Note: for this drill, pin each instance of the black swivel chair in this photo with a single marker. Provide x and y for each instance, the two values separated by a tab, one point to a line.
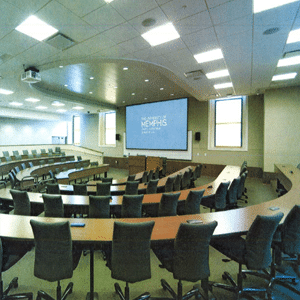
192	203
186	180
131	177
80	189
188	259
55	256
152	186
132	206
103	189
130	260
53	206
169	185
232	193
10	253
241	189
53	188
254	251
144	177
21	203
177	183
168	204
217	201
131	188
99	207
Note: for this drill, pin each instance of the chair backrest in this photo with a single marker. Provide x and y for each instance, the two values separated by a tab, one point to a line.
193	201
43	151
17	169
34	152
186	180
150	175
103	188
130	260
191	251
152	186
290	232
198	170
23	166
144	177
12	180
79	158
168	204
131	188
177	183
241	186
51	161
156	173
53	188
220	196
131	177
53	206
42	162
107	179
243	167
8	158
258	241
16	153
132	206
5	153
25	152
53	247
57	149
21	203
18	157
99	207
80	189
30	164
232	193
169	185
50	150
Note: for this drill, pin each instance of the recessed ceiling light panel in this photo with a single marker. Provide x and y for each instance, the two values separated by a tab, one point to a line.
294	36
223	85
290	61
161	34
217	74
32	100
209	56
36	28
284	76
262	5
5	92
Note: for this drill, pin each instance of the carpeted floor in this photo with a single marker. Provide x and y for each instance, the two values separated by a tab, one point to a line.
104	285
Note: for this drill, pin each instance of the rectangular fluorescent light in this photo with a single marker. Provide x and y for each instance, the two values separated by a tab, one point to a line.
262	5
217	74
284	76
108	1
209	56
290	61
16	103
41	107
5	92
36	28
161	34
294	36
223	85
32	100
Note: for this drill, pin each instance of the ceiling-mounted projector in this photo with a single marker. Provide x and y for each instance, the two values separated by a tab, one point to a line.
31	75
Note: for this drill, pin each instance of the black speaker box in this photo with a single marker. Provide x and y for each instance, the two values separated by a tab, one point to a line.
118	136
197	136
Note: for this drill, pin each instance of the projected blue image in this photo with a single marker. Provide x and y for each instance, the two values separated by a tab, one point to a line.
158	126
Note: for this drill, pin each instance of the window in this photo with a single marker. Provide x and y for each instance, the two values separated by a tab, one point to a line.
76	130
228	124
107	128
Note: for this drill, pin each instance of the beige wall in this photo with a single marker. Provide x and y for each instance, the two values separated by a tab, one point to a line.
282	123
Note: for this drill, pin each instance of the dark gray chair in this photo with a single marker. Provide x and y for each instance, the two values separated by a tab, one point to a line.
8	159
131	177
103	189
232	193
23	166
169	185
53	188
5	153
152	186
131	188
241	189
132	206
150	175
11	251
254	251
287	241
130	261
25	152
156	173
99	207
80	189
53	206
192	203
144	177
168	205
43	151
186	180
79	158
177	183
217	201
21	201
55	256
107	179
188	259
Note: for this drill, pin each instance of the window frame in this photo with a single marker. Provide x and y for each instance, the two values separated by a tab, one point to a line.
103	131
74	130
212	125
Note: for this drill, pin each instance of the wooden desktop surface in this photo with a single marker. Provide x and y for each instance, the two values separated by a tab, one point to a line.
229	222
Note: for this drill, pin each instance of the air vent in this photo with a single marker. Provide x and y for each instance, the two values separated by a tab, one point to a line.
196	75
60	41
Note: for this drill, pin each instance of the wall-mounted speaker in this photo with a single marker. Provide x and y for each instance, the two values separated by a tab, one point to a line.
197	136
118	137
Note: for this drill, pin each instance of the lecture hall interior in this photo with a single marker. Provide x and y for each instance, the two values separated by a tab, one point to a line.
189	82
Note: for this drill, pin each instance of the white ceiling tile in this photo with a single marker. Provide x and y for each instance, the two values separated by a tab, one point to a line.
193	23
115	51
230	11
135	44
104	18
98	42
179	54
130	9
174	45
28	6
146	54
180	9
200	39
213	3
82	8
162	2
122	33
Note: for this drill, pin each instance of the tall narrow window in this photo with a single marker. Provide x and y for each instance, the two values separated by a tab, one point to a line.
228	129
107	129
76	132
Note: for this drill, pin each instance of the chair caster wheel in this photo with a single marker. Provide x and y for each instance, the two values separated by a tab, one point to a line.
14	283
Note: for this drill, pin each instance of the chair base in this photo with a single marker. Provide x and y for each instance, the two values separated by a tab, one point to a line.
59	296
126	296
13	284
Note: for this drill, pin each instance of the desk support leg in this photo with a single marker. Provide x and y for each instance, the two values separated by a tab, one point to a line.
91	295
